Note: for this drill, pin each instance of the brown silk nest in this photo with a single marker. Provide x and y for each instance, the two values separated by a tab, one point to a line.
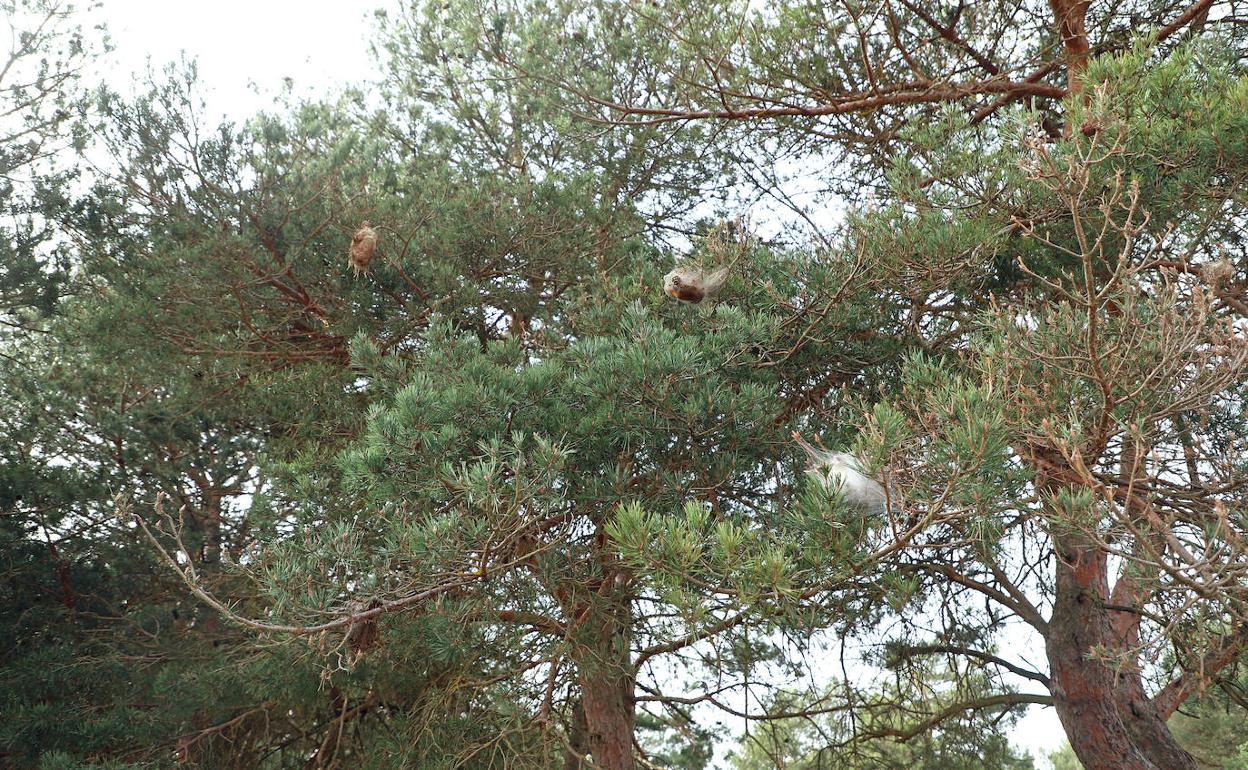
363	244
363	635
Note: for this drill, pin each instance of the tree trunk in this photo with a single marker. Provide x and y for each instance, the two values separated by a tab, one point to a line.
578	741
1147	727
1111	724
1069	16
1084	688
609	721
1139	713
604	667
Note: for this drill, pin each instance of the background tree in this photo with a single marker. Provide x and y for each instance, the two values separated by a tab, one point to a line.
1064	759
831	739
1210	725
42	117
189	364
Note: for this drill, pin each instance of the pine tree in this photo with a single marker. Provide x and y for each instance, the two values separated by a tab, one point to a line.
499	500
1072	240
1073	277
43	115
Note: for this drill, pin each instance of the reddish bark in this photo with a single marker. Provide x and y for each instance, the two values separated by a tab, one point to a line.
1147	725
1095	676
1144	721
1100	698
609	719
604	668
1070	17
1084	688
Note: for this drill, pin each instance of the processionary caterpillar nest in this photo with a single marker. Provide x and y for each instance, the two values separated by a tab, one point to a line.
362	635
694	280
363	244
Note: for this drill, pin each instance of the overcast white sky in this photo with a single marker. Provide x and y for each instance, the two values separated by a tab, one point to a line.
246	49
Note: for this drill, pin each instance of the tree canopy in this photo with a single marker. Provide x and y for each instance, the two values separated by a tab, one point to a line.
498	500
